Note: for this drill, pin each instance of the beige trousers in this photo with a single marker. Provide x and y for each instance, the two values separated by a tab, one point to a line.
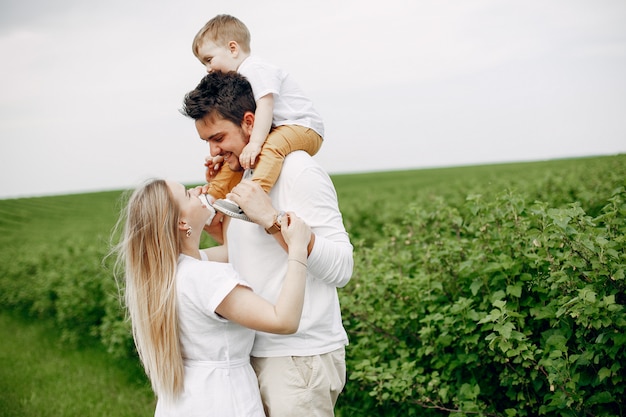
297	386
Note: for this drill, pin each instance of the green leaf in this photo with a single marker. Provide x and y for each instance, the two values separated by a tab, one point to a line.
514	290
603	373
475	286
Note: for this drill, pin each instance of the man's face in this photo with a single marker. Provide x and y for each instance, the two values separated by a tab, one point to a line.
224	138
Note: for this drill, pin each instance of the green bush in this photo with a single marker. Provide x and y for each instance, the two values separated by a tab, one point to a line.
495	307
53	266
66	284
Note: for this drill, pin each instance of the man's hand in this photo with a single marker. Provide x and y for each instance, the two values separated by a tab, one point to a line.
254	202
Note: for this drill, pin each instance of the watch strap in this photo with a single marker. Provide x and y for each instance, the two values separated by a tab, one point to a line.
275	228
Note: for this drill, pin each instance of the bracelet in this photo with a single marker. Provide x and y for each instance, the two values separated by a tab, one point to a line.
300	262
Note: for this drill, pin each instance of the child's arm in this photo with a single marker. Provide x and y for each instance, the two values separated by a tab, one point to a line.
262	124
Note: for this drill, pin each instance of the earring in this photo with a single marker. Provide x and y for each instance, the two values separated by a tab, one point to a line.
188	234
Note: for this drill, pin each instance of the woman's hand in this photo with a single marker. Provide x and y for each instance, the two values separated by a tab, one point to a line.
295	232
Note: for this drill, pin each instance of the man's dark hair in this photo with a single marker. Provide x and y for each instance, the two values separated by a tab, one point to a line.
227	94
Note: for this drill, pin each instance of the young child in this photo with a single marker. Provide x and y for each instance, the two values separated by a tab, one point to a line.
285	120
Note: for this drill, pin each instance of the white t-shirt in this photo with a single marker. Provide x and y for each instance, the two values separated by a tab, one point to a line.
291	105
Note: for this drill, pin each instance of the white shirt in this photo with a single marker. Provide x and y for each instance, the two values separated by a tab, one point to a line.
219	380
291	105
304	188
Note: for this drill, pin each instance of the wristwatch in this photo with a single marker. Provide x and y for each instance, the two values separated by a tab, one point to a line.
275	228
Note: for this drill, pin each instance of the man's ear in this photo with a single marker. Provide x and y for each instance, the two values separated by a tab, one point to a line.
248	122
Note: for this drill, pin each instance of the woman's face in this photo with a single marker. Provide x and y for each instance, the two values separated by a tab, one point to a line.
192	211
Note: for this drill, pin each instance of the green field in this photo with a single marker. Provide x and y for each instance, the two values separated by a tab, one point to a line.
479	290
40	377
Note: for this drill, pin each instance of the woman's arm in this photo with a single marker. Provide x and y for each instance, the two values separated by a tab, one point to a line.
330	253
245	307
218	253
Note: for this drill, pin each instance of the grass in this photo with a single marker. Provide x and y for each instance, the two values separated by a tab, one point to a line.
39	377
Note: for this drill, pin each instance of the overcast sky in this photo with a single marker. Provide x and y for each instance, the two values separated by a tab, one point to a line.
90	90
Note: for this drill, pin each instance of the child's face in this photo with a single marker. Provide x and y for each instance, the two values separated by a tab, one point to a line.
217	58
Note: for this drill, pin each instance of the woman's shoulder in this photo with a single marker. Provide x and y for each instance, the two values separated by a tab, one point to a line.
197	277
189	264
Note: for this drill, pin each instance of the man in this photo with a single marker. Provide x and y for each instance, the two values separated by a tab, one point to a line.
300	374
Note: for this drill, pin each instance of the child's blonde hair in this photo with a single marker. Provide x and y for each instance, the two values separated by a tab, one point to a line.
222	29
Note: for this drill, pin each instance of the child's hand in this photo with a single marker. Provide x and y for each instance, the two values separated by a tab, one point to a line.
204	189
249	154
213	165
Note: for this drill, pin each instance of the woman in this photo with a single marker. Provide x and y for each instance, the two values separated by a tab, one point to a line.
194	319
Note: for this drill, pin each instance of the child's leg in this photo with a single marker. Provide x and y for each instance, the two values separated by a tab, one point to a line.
279	143
224	181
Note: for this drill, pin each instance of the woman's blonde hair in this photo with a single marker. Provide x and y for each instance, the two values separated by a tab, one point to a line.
222	29
147	254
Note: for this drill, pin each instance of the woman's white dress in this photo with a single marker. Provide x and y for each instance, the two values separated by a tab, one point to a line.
219	380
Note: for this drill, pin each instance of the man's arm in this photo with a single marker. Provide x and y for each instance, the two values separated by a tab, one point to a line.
313	194
313	198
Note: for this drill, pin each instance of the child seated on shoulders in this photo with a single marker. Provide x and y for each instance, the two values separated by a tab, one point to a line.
284	121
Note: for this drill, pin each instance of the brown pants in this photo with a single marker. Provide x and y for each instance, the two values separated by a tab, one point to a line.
280	142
